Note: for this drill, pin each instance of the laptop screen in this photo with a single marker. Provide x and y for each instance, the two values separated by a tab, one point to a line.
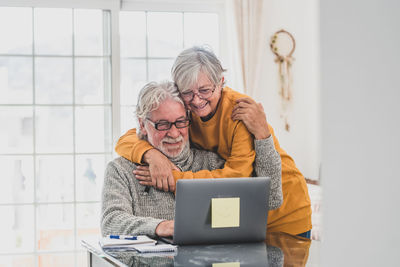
222	210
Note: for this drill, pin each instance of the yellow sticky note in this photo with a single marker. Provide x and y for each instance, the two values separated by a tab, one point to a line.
226	264
225	212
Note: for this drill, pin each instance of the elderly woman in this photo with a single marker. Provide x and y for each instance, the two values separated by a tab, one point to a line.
226	122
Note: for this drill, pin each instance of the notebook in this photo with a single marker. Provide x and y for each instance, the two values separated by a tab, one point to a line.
111	243
225	210
156	248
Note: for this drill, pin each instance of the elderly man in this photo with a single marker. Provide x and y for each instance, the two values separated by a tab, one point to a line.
128	206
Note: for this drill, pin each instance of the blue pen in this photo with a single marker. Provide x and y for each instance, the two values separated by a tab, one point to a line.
125	237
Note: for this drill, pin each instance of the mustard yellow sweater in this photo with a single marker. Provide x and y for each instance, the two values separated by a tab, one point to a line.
231	140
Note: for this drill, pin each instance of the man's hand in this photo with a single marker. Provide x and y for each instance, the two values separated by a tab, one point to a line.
253	116
158	173
165	228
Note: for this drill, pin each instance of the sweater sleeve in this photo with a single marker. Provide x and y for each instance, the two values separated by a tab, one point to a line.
117	215
131	147
238	164
268	164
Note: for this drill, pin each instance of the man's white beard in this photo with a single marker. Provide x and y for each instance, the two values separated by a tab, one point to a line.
175	152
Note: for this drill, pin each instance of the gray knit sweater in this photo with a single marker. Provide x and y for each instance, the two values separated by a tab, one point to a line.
128	209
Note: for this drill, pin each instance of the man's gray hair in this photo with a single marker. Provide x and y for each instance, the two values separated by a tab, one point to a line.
151	95
191	62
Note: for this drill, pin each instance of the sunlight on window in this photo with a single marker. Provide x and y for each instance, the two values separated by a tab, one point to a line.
55	100
18	38
16	76
132	30
56	103
167	34
53	31
165	37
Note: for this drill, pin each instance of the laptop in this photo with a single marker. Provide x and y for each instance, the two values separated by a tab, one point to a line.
201	210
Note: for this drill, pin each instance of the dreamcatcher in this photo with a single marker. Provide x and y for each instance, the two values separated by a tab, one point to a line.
282	45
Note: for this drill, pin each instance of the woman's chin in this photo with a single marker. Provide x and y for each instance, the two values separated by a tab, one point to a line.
202	113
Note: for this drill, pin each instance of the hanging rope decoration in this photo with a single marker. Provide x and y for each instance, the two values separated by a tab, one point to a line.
283	45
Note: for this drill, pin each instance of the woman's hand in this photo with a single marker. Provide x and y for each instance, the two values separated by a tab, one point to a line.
253	116
165	228
158	173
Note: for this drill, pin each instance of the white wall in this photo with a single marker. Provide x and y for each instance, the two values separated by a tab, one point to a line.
360	65
303	141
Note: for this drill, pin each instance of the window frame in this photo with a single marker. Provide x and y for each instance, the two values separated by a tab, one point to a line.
114	7
196	6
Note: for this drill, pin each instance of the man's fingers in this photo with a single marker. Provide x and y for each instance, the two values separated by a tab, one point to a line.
171	184
165	185
239	117
146	183
143	178
162	183
142	173
159	183
240	111
247	100
261	107
143	167
243	105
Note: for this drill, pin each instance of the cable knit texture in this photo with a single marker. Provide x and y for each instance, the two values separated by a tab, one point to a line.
128	208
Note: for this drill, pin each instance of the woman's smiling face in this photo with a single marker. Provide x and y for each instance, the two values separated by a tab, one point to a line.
204	107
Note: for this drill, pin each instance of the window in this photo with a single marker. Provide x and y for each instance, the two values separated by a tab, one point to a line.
55	102
150	41
67	91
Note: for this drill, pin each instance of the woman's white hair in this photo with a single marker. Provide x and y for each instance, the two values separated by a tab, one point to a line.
191	62
151	95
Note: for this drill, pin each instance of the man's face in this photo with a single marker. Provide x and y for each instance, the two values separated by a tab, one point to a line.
170	142
204	107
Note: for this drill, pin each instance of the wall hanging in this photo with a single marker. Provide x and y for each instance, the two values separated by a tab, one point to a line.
283	45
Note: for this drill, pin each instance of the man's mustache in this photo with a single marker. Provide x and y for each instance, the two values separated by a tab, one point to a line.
172	140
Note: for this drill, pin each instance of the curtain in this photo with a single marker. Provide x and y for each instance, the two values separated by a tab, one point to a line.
245	23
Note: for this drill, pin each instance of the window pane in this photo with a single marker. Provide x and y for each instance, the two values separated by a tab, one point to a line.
133	78
17	260
16	183
16	227
92	80
160	69
16	133
88	217
54	129
132	30
201	29
90	176
165	34
16	39
53	31
53	79
55	178
128	119
15	80
81	257
88	32
93	129
55	227
59	260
